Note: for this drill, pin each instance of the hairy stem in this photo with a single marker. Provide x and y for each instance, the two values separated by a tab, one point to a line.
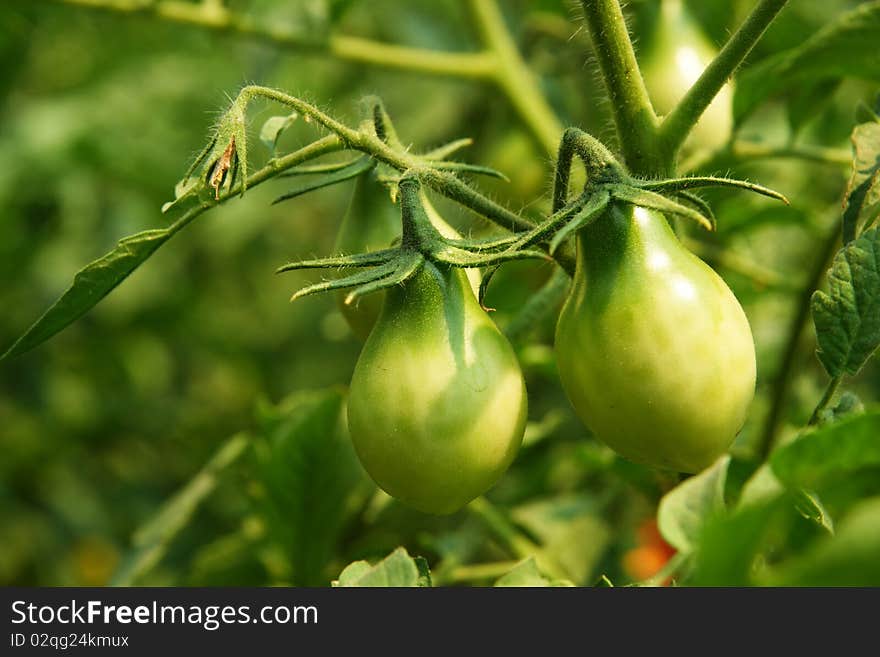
634	115
681	120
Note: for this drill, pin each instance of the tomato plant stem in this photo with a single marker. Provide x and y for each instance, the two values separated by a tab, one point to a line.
633	113
826	399
678	123
782	381
465	65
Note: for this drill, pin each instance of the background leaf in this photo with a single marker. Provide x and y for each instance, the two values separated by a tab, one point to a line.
312	477
848	559
823	457
151	541
685	509
863	194
847	317
273	127
526	573
571	531
845	47
398	569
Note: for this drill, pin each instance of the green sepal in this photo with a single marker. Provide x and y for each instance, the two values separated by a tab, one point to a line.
404	268
654	201
360	278
356	260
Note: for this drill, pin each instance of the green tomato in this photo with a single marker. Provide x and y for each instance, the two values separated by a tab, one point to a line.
653	349
372	223
437	406
675	58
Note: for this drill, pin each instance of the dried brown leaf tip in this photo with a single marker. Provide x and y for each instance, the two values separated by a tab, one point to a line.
221	168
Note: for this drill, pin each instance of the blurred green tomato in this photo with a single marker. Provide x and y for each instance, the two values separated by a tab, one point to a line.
675	58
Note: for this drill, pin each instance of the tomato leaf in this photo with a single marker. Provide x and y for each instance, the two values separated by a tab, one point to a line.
151	541
845	47
848	559
829	454
570	531
91	284
273	127
684	510
847	318
863	192
396	570
527	574
312	478
730	544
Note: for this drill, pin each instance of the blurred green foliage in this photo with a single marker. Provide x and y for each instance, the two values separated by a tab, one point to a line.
99	117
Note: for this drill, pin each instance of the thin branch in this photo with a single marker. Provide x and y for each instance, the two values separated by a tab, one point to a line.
758	274
679	122
782	380
827	396
747	150
475	65
513	75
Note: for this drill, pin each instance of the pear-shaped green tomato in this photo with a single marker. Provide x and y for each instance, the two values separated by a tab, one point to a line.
654	351
437	406
675	58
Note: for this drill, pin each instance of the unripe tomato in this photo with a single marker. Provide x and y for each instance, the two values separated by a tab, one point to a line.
370	224
437	406
675	58
654	351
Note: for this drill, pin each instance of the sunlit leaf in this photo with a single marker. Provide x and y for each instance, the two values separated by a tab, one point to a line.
273	127
398	569
527	574
863	193
847	317
685	509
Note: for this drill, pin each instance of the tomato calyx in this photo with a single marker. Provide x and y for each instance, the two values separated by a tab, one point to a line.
420	242
609	181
